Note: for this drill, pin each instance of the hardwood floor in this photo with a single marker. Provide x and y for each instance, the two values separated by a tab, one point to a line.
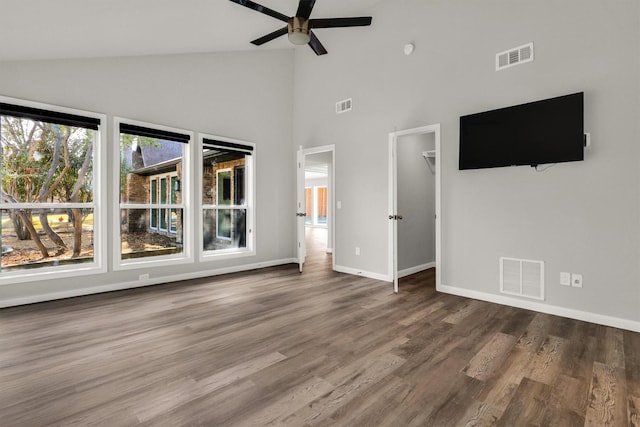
275	347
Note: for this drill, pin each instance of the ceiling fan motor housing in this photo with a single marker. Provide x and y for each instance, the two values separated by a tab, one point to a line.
298	29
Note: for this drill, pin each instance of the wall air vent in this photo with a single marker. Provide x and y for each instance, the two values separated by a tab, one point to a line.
522	277
515	56
343	106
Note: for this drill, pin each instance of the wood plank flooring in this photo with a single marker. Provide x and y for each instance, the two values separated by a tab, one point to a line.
275	347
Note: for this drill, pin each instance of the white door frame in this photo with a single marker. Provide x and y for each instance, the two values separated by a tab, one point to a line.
331	226
393	200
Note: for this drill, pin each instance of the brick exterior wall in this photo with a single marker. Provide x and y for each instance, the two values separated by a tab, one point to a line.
139	191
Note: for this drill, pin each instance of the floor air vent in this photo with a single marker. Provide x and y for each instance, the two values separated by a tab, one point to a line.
343	106
522	277
515	56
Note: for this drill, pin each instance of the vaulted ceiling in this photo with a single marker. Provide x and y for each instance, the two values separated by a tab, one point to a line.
55	29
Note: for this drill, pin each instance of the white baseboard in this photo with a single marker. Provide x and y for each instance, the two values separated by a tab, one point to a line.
31	299
570	313
417	269
356	272
329	250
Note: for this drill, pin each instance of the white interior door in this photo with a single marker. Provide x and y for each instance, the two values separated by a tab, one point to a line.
395	216
393	207
300	209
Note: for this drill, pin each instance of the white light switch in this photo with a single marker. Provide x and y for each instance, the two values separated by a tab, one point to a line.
565	279
339	204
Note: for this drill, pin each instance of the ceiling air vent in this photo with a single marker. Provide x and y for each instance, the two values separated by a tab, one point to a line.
515	56
343	106
522	277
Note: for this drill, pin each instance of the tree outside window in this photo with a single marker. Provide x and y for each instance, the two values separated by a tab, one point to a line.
47	196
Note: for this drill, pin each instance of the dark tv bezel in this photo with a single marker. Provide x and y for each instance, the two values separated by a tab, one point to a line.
540	159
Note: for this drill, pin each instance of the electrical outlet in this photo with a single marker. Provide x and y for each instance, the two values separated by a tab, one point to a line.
357	250
143	277
565	279
576	280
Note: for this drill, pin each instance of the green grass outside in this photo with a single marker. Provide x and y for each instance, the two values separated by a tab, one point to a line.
58	222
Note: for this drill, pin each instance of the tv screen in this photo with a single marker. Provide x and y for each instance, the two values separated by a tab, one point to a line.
547	131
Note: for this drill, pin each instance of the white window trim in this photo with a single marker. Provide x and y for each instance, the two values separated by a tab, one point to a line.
99	264
250	204
186	256
163	206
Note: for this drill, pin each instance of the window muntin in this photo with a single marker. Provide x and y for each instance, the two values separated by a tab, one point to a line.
152	201
49	222
227	197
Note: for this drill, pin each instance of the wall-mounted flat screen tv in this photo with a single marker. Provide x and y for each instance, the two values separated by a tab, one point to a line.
547	131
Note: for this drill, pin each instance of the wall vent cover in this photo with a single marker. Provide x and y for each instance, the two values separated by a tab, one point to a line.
517	55
343	106
522	277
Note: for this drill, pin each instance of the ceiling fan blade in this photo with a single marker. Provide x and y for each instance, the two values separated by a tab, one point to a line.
304	8
262	9
277	33
315	44
362	21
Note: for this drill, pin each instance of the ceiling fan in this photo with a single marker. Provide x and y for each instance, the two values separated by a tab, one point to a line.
299	26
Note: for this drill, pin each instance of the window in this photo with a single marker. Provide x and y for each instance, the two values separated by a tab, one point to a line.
152	215
321	206
316	205
227	197
160	186
49	178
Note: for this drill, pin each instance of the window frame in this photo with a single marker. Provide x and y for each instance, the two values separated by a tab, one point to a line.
220	203
184	257
157	179
250	202
99	203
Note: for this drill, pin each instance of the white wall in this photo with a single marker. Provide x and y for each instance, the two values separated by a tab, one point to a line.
246	96
416	198
581	217
316	182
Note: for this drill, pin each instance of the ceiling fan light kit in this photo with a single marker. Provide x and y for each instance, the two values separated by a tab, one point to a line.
299	27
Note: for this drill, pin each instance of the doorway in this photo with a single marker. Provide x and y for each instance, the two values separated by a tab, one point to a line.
315	204
414	208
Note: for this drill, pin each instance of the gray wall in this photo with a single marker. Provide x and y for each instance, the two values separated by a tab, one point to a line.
580	217
247	96
416	200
